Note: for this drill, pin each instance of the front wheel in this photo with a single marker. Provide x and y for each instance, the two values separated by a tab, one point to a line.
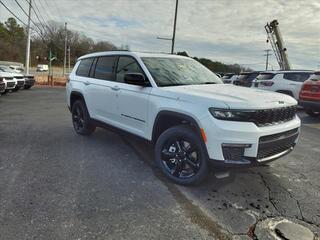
81	119
181	155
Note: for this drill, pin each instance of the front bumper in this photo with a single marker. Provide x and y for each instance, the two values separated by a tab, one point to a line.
29	82
310	105
256	145
2	87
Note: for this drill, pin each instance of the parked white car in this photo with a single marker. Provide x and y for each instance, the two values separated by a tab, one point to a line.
9	81
287	82
18	77
229	78
182	108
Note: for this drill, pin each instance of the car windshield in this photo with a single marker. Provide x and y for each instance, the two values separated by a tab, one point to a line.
179	71
6	69
243	76
227	76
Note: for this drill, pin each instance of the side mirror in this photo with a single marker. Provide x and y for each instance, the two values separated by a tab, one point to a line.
135	79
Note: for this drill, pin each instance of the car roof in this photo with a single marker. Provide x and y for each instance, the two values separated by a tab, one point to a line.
133	54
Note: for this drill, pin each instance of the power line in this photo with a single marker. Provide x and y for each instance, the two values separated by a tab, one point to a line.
27	14
14	14
47	12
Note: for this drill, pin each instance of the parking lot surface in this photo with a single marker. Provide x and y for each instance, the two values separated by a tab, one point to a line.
55	184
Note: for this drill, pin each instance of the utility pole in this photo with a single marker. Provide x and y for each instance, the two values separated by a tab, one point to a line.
267	59
65	49
69	59
174	27
28	40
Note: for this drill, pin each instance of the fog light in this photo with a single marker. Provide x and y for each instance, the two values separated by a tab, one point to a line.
234	151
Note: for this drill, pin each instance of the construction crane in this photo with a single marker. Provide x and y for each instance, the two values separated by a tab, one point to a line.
276	41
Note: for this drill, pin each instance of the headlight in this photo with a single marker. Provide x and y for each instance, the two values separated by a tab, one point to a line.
232	115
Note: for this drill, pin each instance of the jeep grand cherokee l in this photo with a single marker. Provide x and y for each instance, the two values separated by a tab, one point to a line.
183	108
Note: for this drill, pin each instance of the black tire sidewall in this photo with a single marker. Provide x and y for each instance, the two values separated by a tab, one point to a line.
88	127
189	134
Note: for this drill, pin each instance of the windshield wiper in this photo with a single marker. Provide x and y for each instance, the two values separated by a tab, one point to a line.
209	83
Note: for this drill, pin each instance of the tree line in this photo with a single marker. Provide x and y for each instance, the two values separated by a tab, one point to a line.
13	46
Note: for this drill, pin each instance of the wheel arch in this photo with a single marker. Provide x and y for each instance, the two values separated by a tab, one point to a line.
74	96
166	119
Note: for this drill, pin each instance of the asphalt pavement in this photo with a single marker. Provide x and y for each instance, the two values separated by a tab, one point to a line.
55	184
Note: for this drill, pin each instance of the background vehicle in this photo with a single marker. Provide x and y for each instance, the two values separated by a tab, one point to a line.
183	108
16	68
309	97
18	77
229	78
245	78
42	68
287	82
2	86
29	81
10	82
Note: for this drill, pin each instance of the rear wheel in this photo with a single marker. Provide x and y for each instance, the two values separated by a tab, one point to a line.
27	87
313	113
81	119
181	155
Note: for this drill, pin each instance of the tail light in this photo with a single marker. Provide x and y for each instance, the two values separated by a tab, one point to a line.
266	83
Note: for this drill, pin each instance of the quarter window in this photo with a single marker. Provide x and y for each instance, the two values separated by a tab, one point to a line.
104	68
84	67
127	65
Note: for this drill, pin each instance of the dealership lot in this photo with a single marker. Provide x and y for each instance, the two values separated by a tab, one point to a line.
55	184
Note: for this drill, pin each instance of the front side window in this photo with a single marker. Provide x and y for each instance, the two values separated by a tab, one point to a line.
167	71
104	68
127	65
84	67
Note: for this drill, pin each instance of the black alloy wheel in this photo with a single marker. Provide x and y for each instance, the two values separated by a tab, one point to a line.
181	155
81	119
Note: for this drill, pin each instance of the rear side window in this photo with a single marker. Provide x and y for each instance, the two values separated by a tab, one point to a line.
84	67
104	68
265	76
296	77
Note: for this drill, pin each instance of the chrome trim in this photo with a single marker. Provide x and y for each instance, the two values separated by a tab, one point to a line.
273	157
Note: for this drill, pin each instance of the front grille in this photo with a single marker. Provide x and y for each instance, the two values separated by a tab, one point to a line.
20	83
273	144
10	84
273	116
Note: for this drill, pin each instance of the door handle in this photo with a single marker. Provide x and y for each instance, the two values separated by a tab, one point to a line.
86	83
115	88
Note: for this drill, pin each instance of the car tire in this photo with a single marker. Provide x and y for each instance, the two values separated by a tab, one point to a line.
81	119
27	87
312	113
181	155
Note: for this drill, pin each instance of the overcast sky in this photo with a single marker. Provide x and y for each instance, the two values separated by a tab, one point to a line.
231	31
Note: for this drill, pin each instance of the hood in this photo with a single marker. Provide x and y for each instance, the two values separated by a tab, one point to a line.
235	97
6	74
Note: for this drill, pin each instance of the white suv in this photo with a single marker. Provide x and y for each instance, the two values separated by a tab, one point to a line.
229	78
183	109
287	82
